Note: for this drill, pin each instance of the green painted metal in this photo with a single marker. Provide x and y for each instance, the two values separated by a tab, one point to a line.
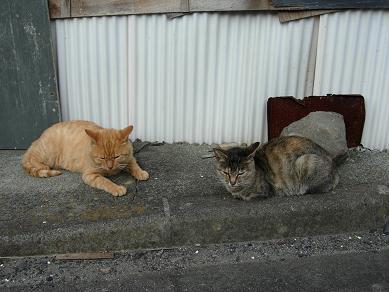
28	87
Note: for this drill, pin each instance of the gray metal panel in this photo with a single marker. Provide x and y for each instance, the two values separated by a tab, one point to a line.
28	90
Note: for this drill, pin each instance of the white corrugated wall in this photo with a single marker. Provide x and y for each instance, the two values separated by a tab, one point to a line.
205	77
353	57
199	78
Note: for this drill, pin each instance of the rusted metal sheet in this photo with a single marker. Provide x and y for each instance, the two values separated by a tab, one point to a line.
282	111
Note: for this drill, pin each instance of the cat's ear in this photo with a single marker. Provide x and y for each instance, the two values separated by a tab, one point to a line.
252	149
124	133
220	154
94	135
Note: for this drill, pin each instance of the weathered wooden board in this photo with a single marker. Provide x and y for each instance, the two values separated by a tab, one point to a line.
28	90
121	7
59	8
285	16
84	8
331	4
229	5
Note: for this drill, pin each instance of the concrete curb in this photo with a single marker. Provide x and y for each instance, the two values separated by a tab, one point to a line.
357	210
183	203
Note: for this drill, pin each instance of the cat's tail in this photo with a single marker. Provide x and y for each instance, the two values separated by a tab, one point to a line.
36	168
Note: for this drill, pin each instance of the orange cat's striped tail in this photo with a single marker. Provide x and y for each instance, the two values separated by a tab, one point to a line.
37	168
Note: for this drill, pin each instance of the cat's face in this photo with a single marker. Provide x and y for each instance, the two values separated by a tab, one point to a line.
235	166
111	149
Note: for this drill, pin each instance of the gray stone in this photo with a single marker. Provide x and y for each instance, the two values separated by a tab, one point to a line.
324	128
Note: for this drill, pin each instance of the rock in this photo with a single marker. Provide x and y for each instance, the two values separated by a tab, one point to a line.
324	128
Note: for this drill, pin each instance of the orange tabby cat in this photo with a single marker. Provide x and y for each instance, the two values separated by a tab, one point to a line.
84	147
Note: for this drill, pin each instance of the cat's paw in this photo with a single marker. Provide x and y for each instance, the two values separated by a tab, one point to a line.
119	191
142	175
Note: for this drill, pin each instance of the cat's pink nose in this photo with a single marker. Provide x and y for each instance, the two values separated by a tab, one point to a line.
109	164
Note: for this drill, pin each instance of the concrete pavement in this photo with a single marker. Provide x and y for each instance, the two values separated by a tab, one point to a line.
182	203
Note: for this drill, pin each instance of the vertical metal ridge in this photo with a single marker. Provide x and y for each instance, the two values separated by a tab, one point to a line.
353	57
201	78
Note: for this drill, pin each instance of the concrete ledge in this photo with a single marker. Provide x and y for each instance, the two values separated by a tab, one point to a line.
181	204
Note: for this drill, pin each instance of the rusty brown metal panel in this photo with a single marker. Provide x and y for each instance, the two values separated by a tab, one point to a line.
282	111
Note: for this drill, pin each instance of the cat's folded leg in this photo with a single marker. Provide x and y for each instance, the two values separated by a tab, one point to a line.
37	168
96	180
136	171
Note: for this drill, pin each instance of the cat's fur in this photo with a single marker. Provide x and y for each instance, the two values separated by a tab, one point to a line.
284	166
85	147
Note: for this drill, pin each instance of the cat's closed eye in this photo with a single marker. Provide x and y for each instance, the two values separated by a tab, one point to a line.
241	172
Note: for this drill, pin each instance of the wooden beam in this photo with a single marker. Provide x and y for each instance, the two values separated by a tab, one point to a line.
85	256
81	8
331	4
85	8
229	5
59	8
285	16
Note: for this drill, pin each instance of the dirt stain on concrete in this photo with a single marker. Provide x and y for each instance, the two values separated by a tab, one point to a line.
106	212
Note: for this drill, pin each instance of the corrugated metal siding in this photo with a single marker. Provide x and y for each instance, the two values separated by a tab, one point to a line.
200	78
353	57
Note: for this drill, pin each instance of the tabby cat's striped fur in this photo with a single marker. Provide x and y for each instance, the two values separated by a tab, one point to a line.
285	166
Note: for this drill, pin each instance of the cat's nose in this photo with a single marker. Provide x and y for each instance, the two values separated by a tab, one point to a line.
233	181
110	164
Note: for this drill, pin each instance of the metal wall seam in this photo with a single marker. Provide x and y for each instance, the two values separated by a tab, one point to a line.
353	57
201	78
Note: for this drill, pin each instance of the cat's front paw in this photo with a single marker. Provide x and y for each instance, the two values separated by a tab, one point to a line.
142	175
118	191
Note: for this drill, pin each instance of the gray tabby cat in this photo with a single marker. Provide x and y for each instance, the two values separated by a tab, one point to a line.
284	166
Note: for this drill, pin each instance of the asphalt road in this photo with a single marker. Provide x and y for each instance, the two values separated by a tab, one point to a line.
348	262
